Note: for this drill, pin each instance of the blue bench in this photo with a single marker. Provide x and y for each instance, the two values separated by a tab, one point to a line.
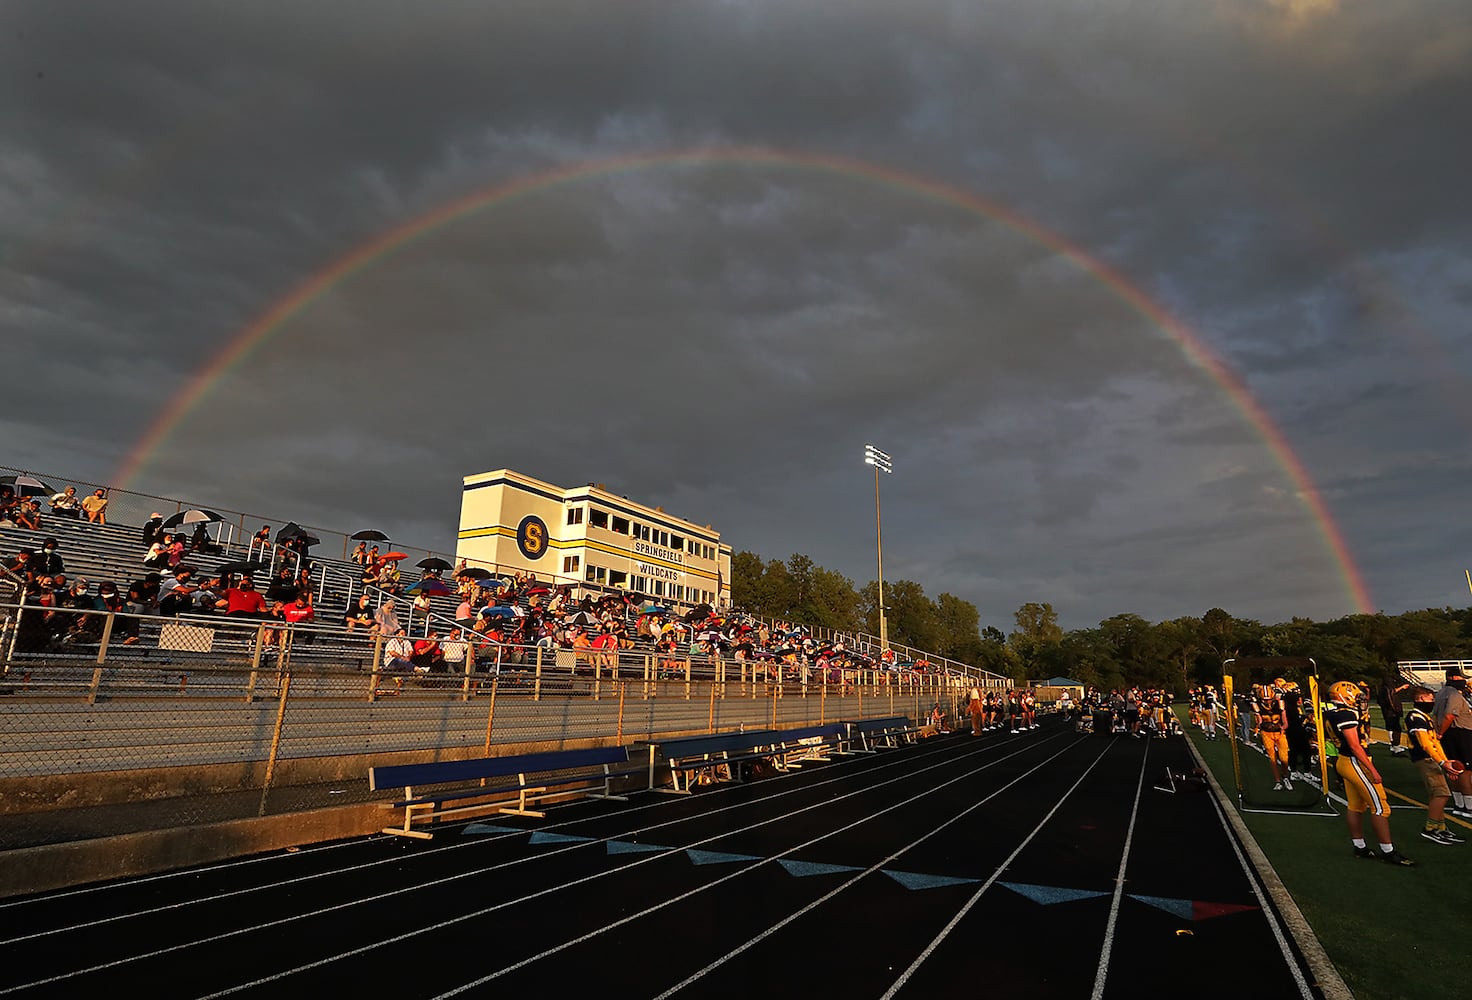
891	731
589	773
812	744
711	755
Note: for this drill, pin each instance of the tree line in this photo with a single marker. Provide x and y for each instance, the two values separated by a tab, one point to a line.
1121	650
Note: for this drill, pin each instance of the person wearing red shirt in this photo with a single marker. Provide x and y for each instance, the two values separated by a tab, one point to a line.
244	601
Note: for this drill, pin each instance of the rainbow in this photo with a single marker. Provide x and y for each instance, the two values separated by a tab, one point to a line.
249	339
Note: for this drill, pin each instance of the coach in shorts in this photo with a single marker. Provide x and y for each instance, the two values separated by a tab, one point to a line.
1453	718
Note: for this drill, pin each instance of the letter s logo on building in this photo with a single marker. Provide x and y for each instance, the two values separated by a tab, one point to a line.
531	537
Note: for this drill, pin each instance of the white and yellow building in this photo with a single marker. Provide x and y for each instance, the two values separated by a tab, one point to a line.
587	535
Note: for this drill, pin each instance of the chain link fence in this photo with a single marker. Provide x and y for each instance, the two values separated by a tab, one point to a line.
216	718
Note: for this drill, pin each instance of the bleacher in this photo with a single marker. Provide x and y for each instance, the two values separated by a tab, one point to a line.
114	552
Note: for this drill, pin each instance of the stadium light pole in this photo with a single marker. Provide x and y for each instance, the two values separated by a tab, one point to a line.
881	462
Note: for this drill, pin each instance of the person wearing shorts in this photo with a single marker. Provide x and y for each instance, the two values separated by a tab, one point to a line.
1431	760
1362	786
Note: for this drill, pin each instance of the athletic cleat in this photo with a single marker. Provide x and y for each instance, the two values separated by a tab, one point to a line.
1288	784
1014	732
1367	852
1396	858
1445	837
1278	787
1448	837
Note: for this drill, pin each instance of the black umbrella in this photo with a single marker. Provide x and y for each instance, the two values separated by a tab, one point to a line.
698	613
582	618
369	535
433	562
473	573
293	531
192	516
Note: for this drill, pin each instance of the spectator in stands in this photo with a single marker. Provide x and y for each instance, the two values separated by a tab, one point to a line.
81	624
28	515
95	506
300	612
360	615
143	594
210	598
8	504
152	528
386	619
157	556
176	551
360	554
454	651
200	541
23	564
244	601
427	655
262	539
389	578
176	594
47	561
397	654
113	602
66	504
283	586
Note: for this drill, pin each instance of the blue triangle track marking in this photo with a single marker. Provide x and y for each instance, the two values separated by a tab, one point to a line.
918	880
1047	895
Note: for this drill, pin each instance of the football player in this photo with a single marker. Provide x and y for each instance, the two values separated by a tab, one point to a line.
1362	785
1430	759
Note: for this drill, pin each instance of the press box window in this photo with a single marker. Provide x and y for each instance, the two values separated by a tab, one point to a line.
621	525
598	518
574	515
596	574
570	564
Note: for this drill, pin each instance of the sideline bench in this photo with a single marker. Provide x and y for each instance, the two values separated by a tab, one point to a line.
812	744
871	734
537	776
713	754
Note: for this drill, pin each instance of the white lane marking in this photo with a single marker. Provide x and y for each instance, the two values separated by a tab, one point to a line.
700	973
945	931
1124	860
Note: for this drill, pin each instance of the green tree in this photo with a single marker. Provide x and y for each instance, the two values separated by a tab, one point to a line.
1036	639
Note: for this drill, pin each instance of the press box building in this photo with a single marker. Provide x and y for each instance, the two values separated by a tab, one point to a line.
511	522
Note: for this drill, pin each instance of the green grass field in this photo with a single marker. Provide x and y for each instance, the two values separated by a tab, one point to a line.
1392	932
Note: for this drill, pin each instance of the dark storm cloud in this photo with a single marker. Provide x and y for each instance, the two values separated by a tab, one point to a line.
1283	178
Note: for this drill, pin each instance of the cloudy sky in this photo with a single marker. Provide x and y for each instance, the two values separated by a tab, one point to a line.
1150	301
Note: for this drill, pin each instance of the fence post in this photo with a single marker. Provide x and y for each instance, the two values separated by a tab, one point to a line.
275	742
491	714
255	666
619	737
537	682
687	678
101	657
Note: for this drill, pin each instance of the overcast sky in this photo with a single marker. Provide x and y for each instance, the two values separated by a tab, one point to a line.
865	241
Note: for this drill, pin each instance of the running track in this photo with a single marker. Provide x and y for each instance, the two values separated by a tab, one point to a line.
1043	863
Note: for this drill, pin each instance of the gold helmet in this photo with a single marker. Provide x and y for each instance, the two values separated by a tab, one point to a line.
1344	692
1280	683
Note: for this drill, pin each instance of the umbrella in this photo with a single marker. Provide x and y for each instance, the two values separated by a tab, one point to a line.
192	516
27	486
540	590
498	611
490	583
434	562
698	612
582	618
369	535
654	609
473	573
394	556
429	585
293	531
